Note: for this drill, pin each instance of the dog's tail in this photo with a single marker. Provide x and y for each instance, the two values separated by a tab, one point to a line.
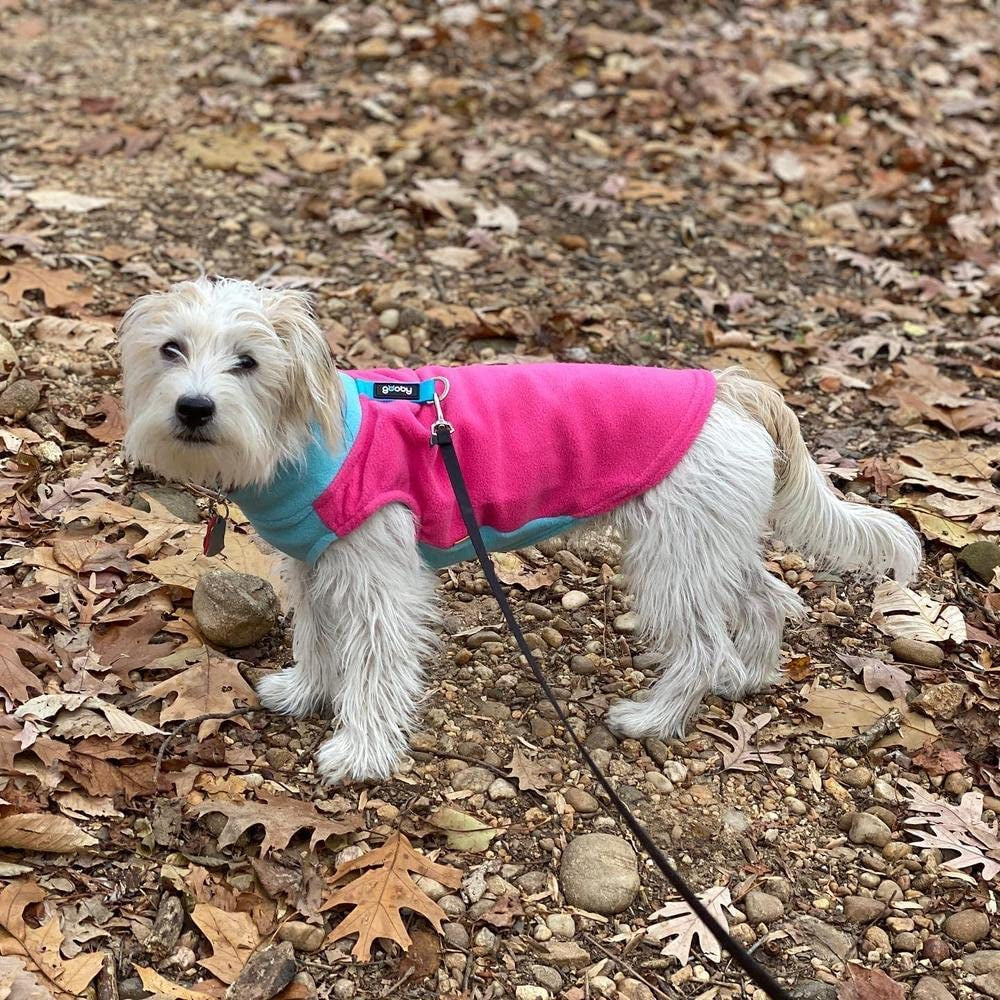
806	512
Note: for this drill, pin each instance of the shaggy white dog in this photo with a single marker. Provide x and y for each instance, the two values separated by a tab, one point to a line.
225	381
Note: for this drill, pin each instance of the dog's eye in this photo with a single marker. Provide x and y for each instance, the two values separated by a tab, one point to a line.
172	351
245	363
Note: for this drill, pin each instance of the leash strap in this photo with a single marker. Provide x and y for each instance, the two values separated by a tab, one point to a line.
441	436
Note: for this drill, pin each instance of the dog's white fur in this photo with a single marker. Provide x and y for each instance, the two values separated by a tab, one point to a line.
693	544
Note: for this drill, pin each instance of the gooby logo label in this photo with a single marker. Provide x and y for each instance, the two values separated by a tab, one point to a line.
396	390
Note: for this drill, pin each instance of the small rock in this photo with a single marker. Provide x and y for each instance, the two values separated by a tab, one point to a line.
957	783
485	940
659	752
982	558
19	399
675	771
531	992
857	777
501	789
375	47
936	949
862	910
180	503
367	179
599	872
876	939
626	623
561	924
924	654
762	907
234	610
906	941
547	977
456	935
452	905
603	986
883	792
826	941
778	886
573	600
302	936
132	989
266	974
472	779
869	829
659	782
389	319
344	989
600	738
633	989
981	962
397	344
736	820
941	701
929	988
990	984
967	926
584	666
813	989
566	954
581	801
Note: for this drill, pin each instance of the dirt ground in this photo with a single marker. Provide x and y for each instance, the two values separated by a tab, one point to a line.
808	190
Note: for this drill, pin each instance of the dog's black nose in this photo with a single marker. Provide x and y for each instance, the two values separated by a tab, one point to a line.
195	411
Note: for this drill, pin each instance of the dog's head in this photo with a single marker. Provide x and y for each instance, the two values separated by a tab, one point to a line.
222	380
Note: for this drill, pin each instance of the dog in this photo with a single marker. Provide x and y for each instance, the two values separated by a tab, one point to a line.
230	385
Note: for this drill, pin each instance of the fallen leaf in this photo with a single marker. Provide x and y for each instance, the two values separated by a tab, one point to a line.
124	648
528	775
499	217
17	983
16	680
53	200
73	334
787	167
877	674
112	427
244	151
938	528
58	288
903	613
66	703
845	710
512	569
679	926
860	983
441	195
458	258
280	816
462	831
504	911
160	987
43	832
380	894
744	753
937	760
233	937
953	458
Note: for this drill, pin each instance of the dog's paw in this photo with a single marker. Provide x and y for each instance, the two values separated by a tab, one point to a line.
286	693
641	719
345	757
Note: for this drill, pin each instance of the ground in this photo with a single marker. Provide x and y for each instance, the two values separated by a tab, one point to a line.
809	190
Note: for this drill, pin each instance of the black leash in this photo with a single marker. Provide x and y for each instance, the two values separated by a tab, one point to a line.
441	436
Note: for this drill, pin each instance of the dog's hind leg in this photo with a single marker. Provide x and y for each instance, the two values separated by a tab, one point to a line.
691	542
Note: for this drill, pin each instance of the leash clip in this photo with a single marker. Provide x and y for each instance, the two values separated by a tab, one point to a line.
440	424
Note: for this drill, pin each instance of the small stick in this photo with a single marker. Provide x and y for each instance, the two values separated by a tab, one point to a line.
630	969
858	746
188	724
399	982
445	754
106	984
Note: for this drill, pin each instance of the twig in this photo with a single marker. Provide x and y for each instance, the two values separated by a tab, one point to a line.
445	754
188	724
106	984
630	969
399	982
858	746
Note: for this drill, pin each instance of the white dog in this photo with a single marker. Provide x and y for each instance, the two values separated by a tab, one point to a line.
231	386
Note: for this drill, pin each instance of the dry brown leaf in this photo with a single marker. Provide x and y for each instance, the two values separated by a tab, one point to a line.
76	334
653	193
868	984
441	195
89	555
877	674
160	987
281	817
512	569
938	528
124	648
41	945
205	684
953	458
16	680
745	753
233	937
43	832
244	151
761	364
528	775
938	760
845	710
680	926
17	983
385	889
905	614
58	288
112	427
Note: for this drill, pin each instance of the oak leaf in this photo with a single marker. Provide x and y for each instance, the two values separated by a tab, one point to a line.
844	710
233	937
43	832
441	195
680	926
124	648
112	427
17	983
58	288
905	614
528	775
280	816
205	684
244	151
41	945
877	674
744	753
462	831
380	894
16	680
512	569
161	987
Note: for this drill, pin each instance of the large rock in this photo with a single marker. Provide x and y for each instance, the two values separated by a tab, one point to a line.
967	926
599	872
862	910
234	609
982	558
762	907
19	399
929	988
869	829
981	962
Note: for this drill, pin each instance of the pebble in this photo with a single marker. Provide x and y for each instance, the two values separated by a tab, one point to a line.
762	907
566	954
600	738
303	936
456	935
935	949
573	600
367	179
633	989
397	344
343	989
941	701
659	752
675	771
603	986
452	905
826	941
813	989
981	962
982	558
876	939
924	654
501	789
659	782
548	977
957	783
581	801
626	623
531	992
967	926
584	666
778	886
862	910
599	872
234	610
906	941
389	319
869	829
561	924
883	792
857	777
990	985
929	988
538	611
20	398
485	940
472	779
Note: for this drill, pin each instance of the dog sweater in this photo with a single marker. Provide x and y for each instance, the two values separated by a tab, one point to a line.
542	447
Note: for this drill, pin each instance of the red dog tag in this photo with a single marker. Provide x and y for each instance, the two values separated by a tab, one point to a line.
215	535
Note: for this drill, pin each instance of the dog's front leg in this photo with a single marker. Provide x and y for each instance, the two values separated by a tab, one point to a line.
375	599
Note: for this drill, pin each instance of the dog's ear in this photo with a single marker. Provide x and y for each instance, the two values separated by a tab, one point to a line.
312	394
